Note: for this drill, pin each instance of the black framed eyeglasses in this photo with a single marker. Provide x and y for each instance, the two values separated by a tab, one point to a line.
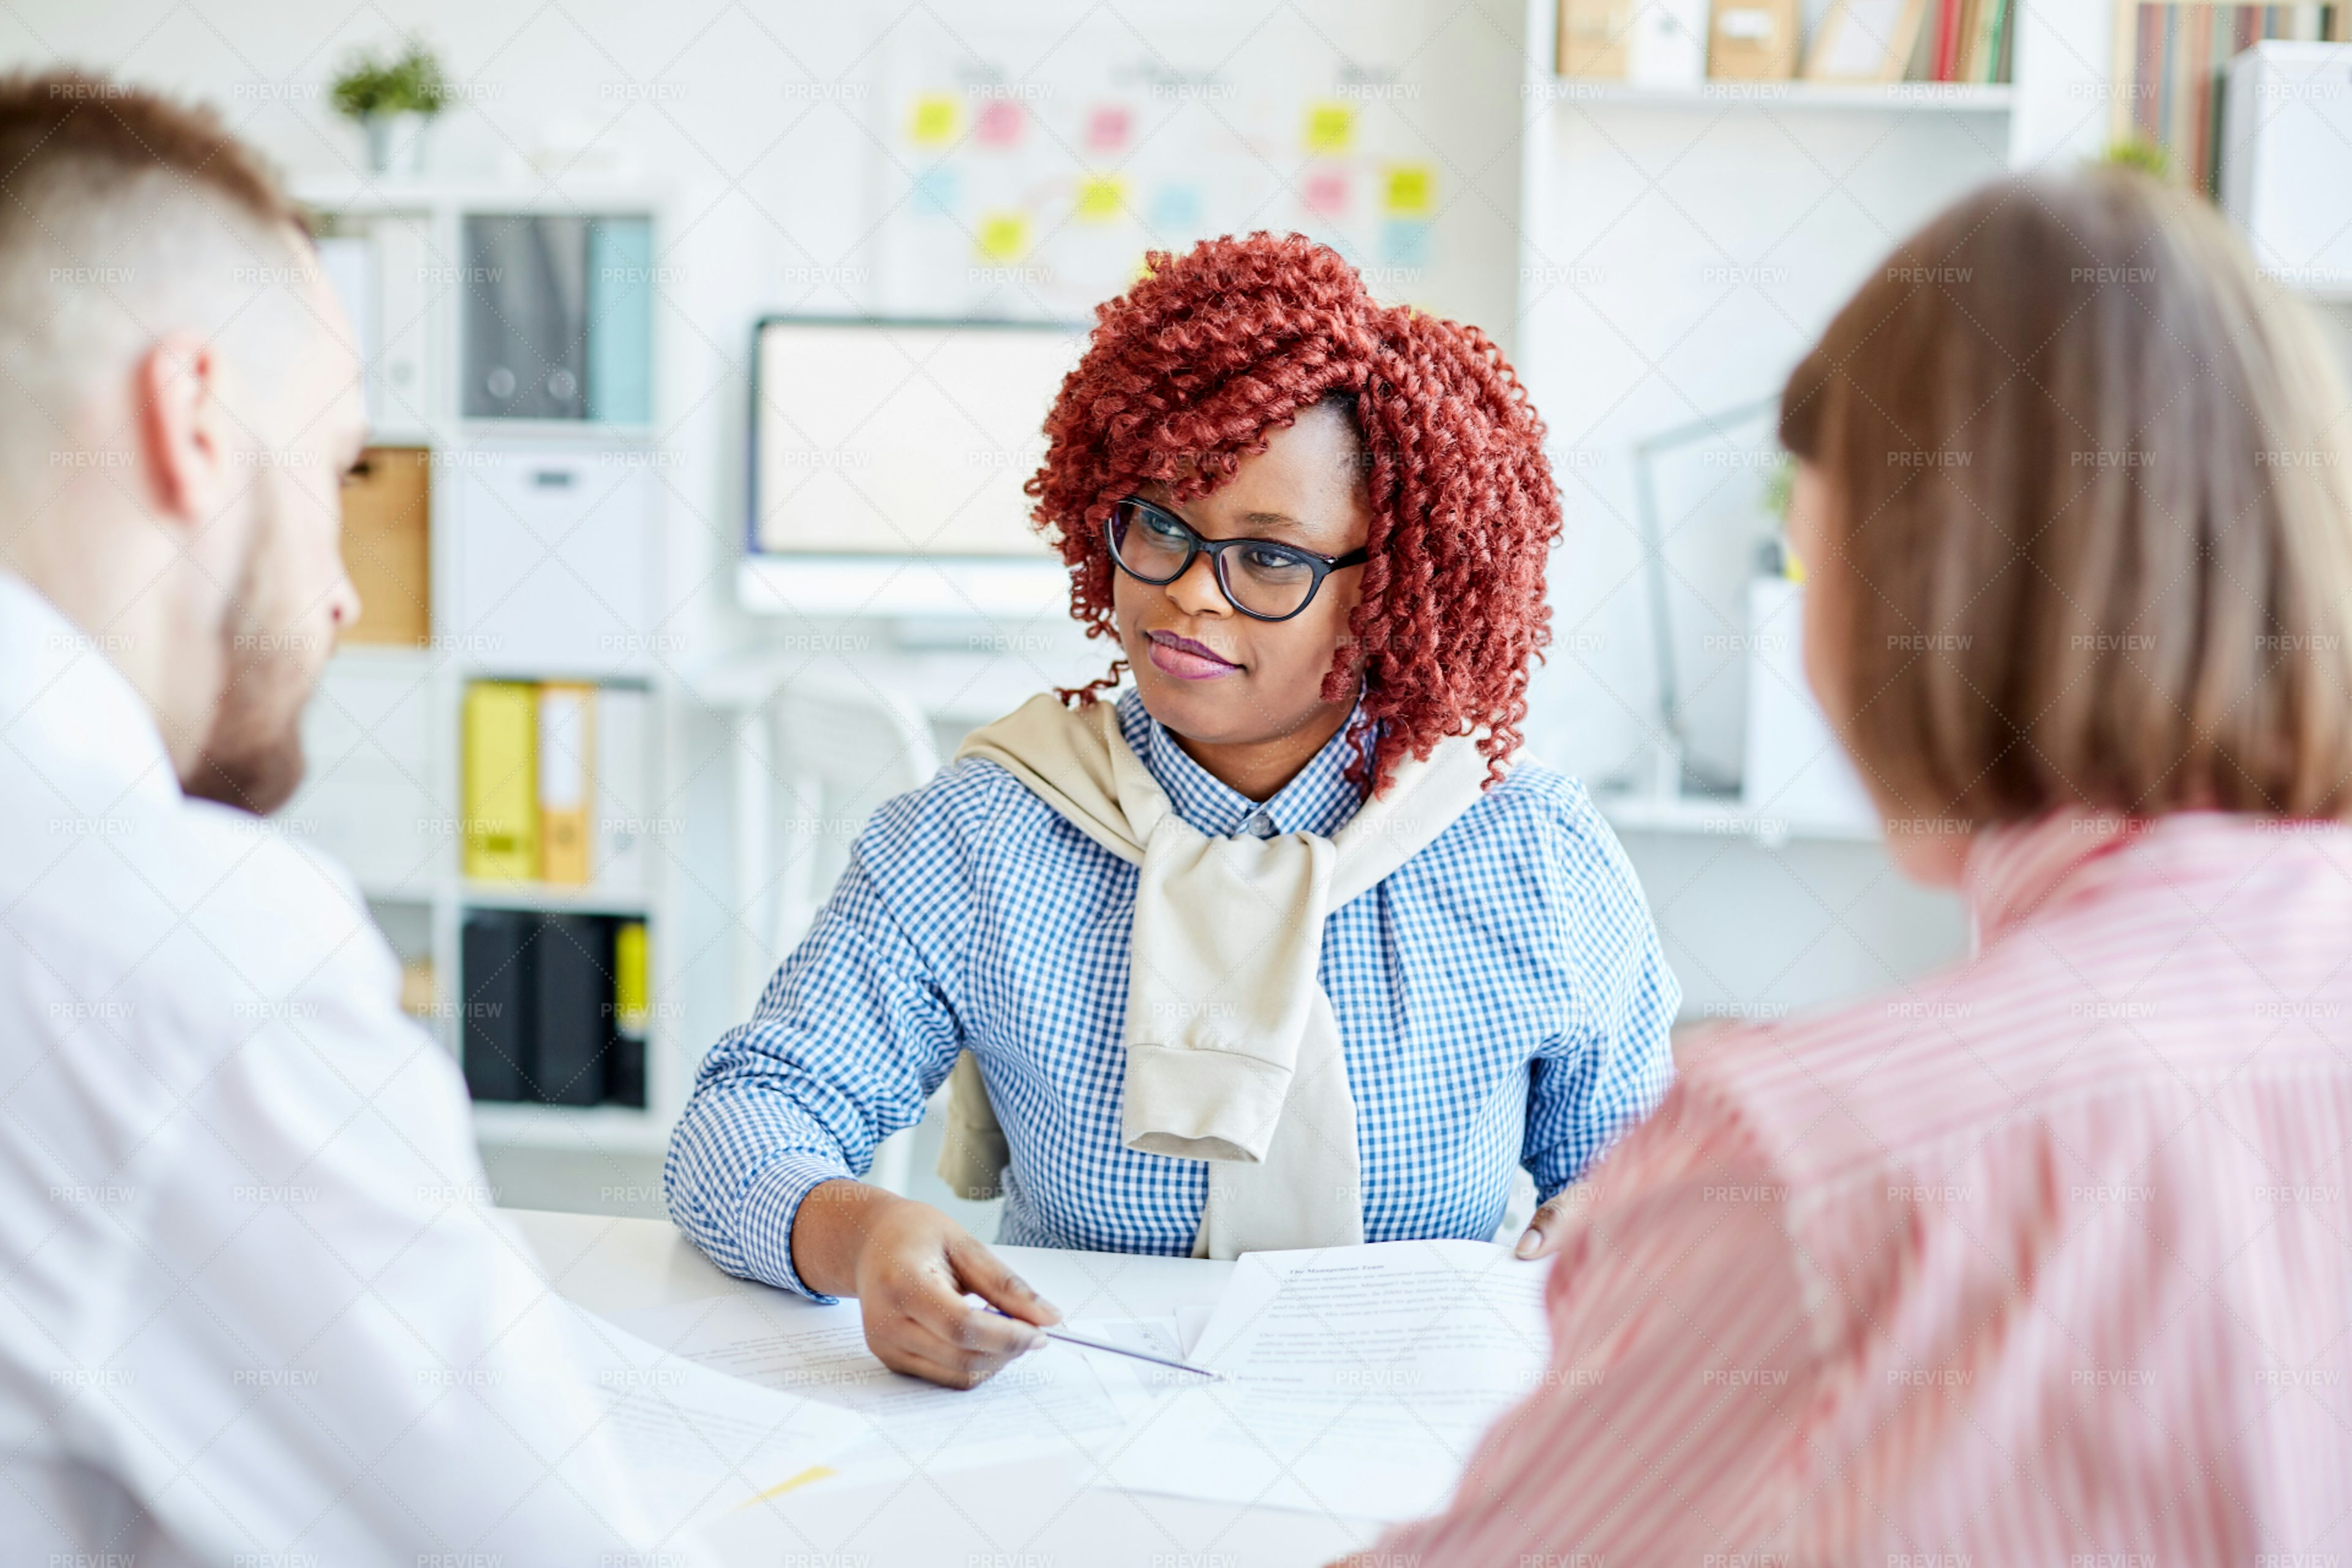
1263	579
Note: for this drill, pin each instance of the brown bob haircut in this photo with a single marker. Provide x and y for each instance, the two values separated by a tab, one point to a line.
2088	541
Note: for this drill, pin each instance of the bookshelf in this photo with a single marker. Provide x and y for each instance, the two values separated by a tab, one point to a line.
543	550
1764	97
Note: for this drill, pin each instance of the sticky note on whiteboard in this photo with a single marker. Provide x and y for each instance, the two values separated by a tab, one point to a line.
1175	212
1109	126
1330	126
1002	237
1101	199
932	123
1412	190
999	124
1325	193
935	190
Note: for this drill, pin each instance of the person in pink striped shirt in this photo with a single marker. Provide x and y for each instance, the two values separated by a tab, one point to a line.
2046	1259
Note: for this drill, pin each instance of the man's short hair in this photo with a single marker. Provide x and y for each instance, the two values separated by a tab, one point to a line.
2092	532
101	135
124	216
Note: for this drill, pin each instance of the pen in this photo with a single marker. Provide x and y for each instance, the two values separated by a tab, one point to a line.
1082	1343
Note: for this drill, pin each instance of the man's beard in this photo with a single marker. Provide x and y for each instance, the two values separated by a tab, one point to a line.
253	758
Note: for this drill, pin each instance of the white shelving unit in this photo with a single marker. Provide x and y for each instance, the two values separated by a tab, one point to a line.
386	796
1678	247
1905	97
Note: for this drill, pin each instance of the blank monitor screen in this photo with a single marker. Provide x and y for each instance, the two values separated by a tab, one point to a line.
893	438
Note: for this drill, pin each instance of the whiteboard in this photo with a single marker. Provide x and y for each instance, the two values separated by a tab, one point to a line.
1024	171
901	437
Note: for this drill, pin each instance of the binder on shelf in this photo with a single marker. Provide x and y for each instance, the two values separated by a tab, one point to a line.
623	810
500	805
494	1004
408	259
560	327
556	1009
624	1076
571	963
620	320
566	740
347	260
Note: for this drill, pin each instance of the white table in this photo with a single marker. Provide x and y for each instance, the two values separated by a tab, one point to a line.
1034	1513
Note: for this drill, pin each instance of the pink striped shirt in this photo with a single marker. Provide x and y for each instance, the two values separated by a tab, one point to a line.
2047	1259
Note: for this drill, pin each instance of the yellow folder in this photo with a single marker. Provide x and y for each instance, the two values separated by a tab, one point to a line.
567	718
501	782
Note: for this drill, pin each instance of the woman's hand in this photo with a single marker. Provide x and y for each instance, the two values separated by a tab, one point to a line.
909	1266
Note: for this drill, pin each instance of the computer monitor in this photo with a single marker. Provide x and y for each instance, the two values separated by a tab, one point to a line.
901	437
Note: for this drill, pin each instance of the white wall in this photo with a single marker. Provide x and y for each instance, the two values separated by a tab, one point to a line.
1691	255
760	121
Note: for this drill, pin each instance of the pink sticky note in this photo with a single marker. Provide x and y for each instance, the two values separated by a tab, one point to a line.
999	124
1108	127
1326	193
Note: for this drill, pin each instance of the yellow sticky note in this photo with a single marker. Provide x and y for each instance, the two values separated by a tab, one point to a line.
1412	190
933	123
1101	199
1002	237
1330	126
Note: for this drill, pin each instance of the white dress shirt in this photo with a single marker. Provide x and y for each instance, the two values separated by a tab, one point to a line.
256	1308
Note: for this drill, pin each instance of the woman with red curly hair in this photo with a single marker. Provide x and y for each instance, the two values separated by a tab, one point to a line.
1285	947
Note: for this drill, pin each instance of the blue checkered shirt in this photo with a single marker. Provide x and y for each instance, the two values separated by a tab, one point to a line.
1501	1000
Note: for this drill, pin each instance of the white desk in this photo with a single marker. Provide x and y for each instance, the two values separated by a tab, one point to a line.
1041	1511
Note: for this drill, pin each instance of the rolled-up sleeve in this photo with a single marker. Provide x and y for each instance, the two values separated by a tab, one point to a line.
1613	1062
851	1036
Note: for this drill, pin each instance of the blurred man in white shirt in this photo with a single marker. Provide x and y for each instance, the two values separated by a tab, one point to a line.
254	1305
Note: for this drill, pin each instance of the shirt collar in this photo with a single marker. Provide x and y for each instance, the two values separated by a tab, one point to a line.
1319	800
2015	871
64	707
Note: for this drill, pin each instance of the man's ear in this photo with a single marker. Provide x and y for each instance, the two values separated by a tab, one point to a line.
183	429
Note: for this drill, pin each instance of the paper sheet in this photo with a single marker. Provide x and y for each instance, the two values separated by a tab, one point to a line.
1364	1378
1056	1397
703	1445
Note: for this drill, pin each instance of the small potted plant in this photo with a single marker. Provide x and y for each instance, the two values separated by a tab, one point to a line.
394	101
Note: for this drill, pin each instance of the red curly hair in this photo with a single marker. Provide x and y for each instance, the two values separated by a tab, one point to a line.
1191	370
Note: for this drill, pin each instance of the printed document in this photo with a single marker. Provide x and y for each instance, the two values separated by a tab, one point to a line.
1057	1399
703	1445
1363	1378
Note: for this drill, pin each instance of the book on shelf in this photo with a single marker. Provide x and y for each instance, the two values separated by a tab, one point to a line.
554	785
2177	57
1972	41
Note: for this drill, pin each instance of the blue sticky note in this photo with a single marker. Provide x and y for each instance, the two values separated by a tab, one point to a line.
1175	211
935	189
1404	242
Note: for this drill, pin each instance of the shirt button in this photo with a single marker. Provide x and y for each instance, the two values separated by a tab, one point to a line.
1259	826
